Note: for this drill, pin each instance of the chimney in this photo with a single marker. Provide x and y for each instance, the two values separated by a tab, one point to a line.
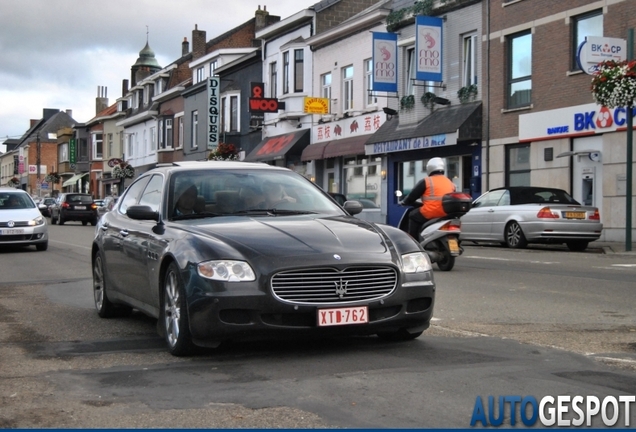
198	43
101	102
261	18
69	112
185	47
33	122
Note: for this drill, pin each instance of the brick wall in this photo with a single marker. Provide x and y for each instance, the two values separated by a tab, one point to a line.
339	12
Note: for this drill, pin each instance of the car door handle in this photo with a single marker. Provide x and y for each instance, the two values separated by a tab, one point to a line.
124	233
491	210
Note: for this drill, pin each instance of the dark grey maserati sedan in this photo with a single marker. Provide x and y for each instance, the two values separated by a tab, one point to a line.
220	250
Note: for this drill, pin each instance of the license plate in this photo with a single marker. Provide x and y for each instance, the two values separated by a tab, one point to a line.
80	207
575	215
343	316
11	231
453	246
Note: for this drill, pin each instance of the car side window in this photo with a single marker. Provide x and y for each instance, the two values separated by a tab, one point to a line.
152	193
490	199
132	194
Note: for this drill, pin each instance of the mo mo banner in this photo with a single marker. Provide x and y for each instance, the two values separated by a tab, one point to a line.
428	44
385	68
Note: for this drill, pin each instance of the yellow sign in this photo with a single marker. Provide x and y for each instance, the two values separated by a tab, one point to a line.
316	105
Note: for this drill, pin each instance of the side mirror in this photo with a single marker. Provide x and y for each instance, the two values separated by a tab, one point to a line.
353	207
142	212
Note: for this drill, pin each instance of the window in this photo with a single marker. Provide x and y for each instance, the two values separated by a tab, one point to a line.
410	72
368	82
159	86
153	139
233	113
362	175
230	113
519	70
180	136
195	127
347	88
98	145
518	165
167	141
144	149
325	81
590	24
63	152
273	76
111	148
298	70
286	72
131	144
469	60
200	74
212	67
152	194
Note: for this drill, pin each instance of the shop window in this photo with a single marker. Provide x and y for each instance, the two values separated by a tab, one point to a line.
518	165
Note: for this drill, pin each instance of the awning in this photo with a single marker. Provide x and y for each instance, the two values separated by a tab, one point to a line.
277	147
74	179
464	119
107	180
346	147
314	151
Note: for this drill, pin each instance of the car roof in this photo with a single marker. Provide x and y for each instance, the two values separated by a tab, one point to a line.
216	165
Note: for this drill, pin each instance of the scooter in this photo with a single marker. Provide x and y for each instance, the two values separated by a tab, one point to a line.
440	236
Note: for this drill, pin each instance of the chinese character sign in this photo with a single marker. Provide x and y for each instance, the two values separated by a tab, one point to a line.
385	62
428	43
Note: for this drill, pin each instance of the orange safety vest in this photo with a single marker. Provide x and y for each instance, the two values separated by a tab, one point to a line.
436	187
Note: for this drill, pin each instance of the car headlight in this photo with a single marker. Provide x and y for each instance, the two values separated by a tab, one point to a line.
227	271
37	221
417	262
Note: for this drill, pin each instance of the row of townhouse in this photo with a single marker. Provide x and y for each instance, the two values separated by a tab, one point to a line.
503	109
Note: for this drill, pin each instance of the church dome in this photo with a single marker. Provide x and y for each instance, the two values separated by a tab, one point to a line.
147	58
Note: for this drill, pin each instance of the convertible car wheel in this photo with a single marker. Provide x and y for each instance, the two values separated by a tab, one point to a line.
175	314
105	308
514	236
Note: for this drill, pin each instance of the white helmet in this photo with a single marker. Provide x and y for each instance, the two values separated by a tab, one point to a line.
435	165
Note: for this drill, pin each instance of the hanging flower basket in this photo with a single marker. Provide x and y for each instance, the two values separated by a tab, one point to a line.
224	152
14	182
614	84
123	171
53	178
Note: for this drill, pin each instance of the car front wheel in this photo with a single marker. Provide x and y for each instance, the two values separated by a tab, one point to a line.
105	308
175	314
514	236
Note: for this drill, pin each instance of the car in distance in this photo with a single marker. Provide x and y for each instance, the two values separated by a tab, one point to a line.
195	245
21	223
516	216
107	205
44	206
74	207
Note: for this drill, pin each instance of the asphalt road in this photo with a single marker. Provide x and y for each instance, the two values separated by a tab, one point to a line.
536	322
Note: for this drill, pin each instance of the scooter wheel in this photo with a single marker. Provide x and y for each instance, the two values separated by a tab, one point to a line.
447	263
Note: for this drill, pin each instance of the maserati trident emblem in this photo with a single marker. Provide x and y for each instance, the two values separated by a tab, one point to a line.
336	256
341	288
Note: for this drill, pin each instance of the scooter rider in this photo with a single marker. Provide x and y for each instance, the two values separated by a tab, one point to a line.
430	189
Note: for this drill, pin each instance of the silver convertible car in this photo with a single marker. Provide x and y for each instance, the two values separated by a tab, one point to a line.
516	216
221	250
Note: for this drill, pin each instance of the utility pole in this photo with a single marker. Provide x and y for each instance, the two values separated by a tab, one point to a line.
37	161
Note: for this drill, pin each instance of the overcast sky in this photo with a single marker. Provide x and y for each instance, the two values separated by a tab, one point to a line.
55	53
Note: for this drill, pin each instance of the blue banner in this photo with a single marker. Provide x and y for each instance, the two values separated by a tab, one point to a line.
428	45
385	69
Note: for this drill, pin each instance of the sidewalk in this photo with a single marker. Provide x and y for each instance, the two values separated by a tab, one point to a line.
613	248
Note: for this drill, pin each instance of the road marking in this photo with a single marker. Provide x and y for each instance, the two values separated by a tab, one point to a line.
70	244
512	260
623	265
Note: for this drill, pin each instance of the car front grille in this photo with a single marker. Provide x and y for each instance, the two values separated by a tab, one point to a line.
333	286
16	224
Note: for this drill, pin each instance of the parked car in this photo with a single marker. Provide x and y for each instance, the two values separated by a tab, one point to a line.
516	216
44	206
74	207
21	222
221	268
107	205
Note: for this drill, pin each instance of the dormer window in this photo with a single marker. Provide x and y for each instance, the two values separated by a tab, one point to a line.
200	74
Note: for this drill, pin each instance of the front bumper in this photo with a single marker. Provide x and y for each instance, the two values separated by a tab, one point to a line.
29	236
247	311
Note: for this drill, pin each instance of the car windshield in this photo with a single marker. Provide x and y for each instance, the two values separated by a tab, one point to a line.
536	195
80	199
13	201
245	192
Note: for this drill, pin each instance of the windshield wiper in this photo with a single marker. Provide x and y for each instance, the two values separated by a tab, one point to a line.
272	211
195	216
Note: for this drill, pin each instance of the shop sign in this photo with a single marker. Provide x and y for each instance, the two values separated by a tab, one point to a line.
260	104
214	119
314	105
347	128
407	144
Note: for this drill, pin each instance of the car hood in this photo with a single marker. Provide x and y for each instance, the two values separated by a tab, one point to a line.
294	236
19	214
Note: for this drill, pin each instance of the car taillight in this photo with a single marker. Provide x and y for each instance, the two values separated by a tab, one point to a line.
65	205
451	226
595	216
94	206
546	213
